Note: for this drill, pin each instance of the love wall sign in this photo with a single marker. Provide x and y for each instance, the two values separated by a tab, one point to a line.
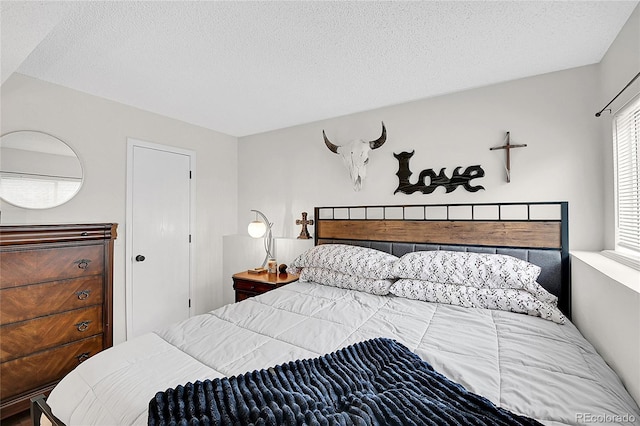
435	180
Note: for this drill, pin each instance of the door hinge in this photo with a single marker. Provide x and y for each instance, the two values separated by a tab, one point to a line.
189	302
189	174
189	237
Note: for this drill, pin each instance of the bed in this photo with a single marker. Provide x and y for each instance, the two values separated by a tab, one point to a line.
532	366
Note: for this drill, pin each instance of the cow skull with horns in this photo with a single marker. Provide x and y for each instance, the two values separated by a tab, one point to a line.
355	155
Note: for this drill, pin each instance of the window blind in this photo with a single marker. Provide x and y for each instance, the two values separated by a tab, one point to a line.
627	171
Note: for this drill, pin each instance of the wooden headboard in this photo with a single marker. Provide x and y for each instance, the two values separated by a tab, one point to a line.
537	232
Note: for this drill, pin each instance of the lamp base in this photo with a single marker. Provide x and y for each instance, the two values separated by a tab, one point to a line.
257	270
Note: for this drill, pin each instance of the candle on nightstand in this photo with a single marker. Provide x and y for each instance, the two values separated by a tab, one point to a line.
272	266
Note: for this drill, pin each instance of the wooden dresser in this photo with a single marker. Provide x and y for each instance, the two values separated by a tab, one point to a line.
55	305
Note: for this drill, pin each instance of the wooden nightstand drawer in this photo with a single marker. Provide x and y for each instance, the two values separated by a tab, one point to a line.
248	285
253	287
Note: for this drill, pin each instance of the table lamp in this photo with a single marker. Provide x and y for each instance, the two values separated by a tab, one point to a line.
262	228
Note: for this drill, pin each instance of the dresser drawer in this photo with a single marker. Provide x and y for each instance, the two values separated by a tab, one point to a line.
24	374
22	267
26	337
36	300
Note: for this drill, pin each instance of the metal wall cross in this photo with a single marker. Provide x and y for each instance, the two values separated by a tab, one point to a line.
507	147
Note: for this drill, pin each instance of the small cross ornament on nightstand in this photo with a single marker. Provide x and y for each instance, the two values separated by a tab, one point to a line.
304	233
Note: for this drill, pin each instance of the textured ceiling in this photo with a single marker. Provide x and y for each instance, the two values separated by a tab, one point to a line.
249	67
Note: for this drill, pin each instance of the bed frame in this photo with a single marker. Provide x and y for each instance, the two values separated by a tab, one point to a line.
537	232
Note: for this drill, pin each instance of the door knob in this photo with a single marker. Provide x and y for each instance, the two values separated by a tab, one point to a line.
140	258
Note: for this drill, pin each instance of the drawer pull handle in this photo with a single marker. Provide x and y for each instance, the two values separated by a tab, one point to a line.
83	263
83	326
84	234
83	356
83	294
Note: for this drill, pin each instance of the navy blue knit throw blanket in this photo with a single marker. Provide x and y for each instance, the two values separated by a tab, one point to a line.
376	382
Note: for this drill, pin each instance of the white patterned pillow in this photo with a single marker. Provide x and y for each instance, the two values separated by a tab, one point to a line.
351	260
504	299
481	270
338	279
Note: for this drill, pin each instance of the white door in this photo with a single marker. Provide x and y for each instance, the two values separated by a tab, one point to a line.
159	204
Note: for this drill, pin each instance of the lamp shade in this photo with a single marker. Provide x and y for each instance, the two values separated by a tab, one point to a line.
257	229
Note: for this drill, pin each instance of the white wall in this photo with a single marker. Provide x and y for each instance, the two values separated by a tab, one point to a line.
620	64
285	172
39	163
606	309
97	129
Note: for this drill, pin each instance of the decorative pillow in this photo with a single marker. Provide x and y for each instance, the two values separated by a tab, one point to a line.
351	260
338	279
481	270
503	299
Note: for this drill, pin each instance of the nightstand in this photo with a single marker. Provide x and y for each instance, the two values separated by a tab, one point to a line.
248	285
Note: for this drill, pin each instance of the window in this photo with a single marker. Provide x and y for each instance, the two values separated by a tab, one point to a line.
37	192
626	141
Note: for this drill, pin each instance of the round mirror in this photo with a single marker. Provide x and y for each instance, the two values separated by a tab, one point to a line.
37	170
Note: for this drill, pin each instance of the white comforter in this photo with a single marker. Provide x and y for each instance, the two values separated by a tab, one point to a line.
525	364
